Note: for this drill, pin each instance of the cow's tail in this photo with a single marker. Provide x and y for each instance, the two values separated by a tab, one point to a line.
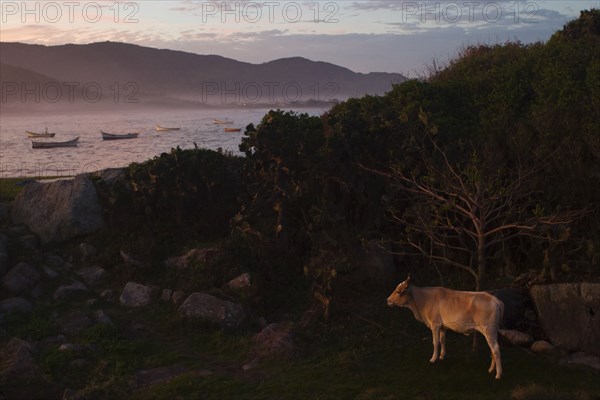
500	306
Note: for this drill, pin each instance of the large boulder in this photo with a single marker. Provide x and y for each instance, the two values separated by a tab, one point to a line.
569	314
59	211
210	308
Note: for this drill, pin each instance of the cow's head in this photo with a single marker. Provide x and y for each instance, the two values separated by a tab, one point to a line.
401	295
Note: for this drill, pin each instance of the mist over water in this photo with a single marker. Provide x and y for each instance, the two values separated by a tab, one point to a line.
18	159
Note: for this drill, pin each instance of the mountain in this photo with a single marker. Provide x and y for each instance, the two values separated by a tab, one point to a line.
160	73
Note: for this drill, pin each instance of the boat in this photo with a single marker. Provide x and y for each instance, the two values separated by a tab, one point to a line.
48	145
164	129
46	134
233	129
221	122
113	136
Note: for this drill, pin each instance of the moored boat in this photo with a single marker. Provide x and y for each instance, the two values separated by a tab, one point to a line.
222	122
114	136
233	129
49	145
46	134
165	129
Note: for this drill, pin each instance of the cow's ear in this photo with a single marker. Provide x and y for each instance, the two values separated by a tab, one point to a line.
408	279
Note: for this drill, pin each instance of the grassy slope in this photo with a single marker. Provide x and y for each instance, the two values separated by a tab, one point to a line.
353	359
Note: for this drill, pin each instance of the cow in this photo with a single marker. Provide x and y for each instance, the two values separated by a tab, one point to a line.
464	312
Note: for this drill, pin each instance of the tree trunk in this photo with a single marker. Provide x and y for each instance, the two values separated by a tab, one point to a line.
480	281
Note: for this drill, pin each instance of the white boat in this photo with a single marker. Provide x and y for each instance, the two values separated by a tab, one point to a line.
49	145
221	122
164	129
113	136
46	134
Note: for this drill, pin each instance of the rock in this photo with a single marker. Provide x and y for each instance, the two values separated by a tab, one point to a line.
211	308
515	306
107	295
59	211
87	251
76	290
92	276
516	338
4	261
136	295
4	212
274	341
74	322
242	281
17	362
17	230
102	318
21	278
74	347
132	262
38	291
15	304
251	365
28	242
49	272
569	314
194	256
541	346
54	261
581	358
166	295
178	296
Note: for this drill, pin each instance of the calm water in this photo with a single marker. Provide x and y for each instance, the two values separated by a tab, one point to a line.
18	159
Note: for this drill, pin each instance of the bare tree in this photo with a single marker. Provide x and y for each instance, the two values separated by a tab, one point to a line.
459	211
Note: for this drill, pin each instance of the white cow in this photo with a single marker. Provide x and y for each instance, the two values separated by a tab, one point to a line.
464	312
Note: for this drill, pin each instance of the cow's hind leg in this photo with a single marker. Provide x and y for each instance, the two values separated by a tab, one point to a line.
443	342
435	332
496	360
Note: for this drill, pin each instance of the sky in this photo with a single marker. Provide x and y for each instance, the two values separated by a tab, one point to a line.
365	36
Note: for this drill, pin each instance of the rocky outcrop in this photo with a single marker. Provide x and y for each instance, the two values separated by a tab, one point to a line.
210	308
60	210
136	295
569	314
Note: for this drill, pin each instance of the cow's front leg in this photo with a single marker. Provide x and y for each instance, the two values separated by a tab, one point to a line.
435	332
443	342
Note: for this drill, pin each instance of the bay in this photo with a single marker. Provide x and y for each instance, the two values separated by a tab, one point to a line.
18	159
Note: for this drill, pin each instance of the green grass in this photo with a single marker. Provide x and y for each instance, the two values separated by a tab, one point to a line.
384	357
358	360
